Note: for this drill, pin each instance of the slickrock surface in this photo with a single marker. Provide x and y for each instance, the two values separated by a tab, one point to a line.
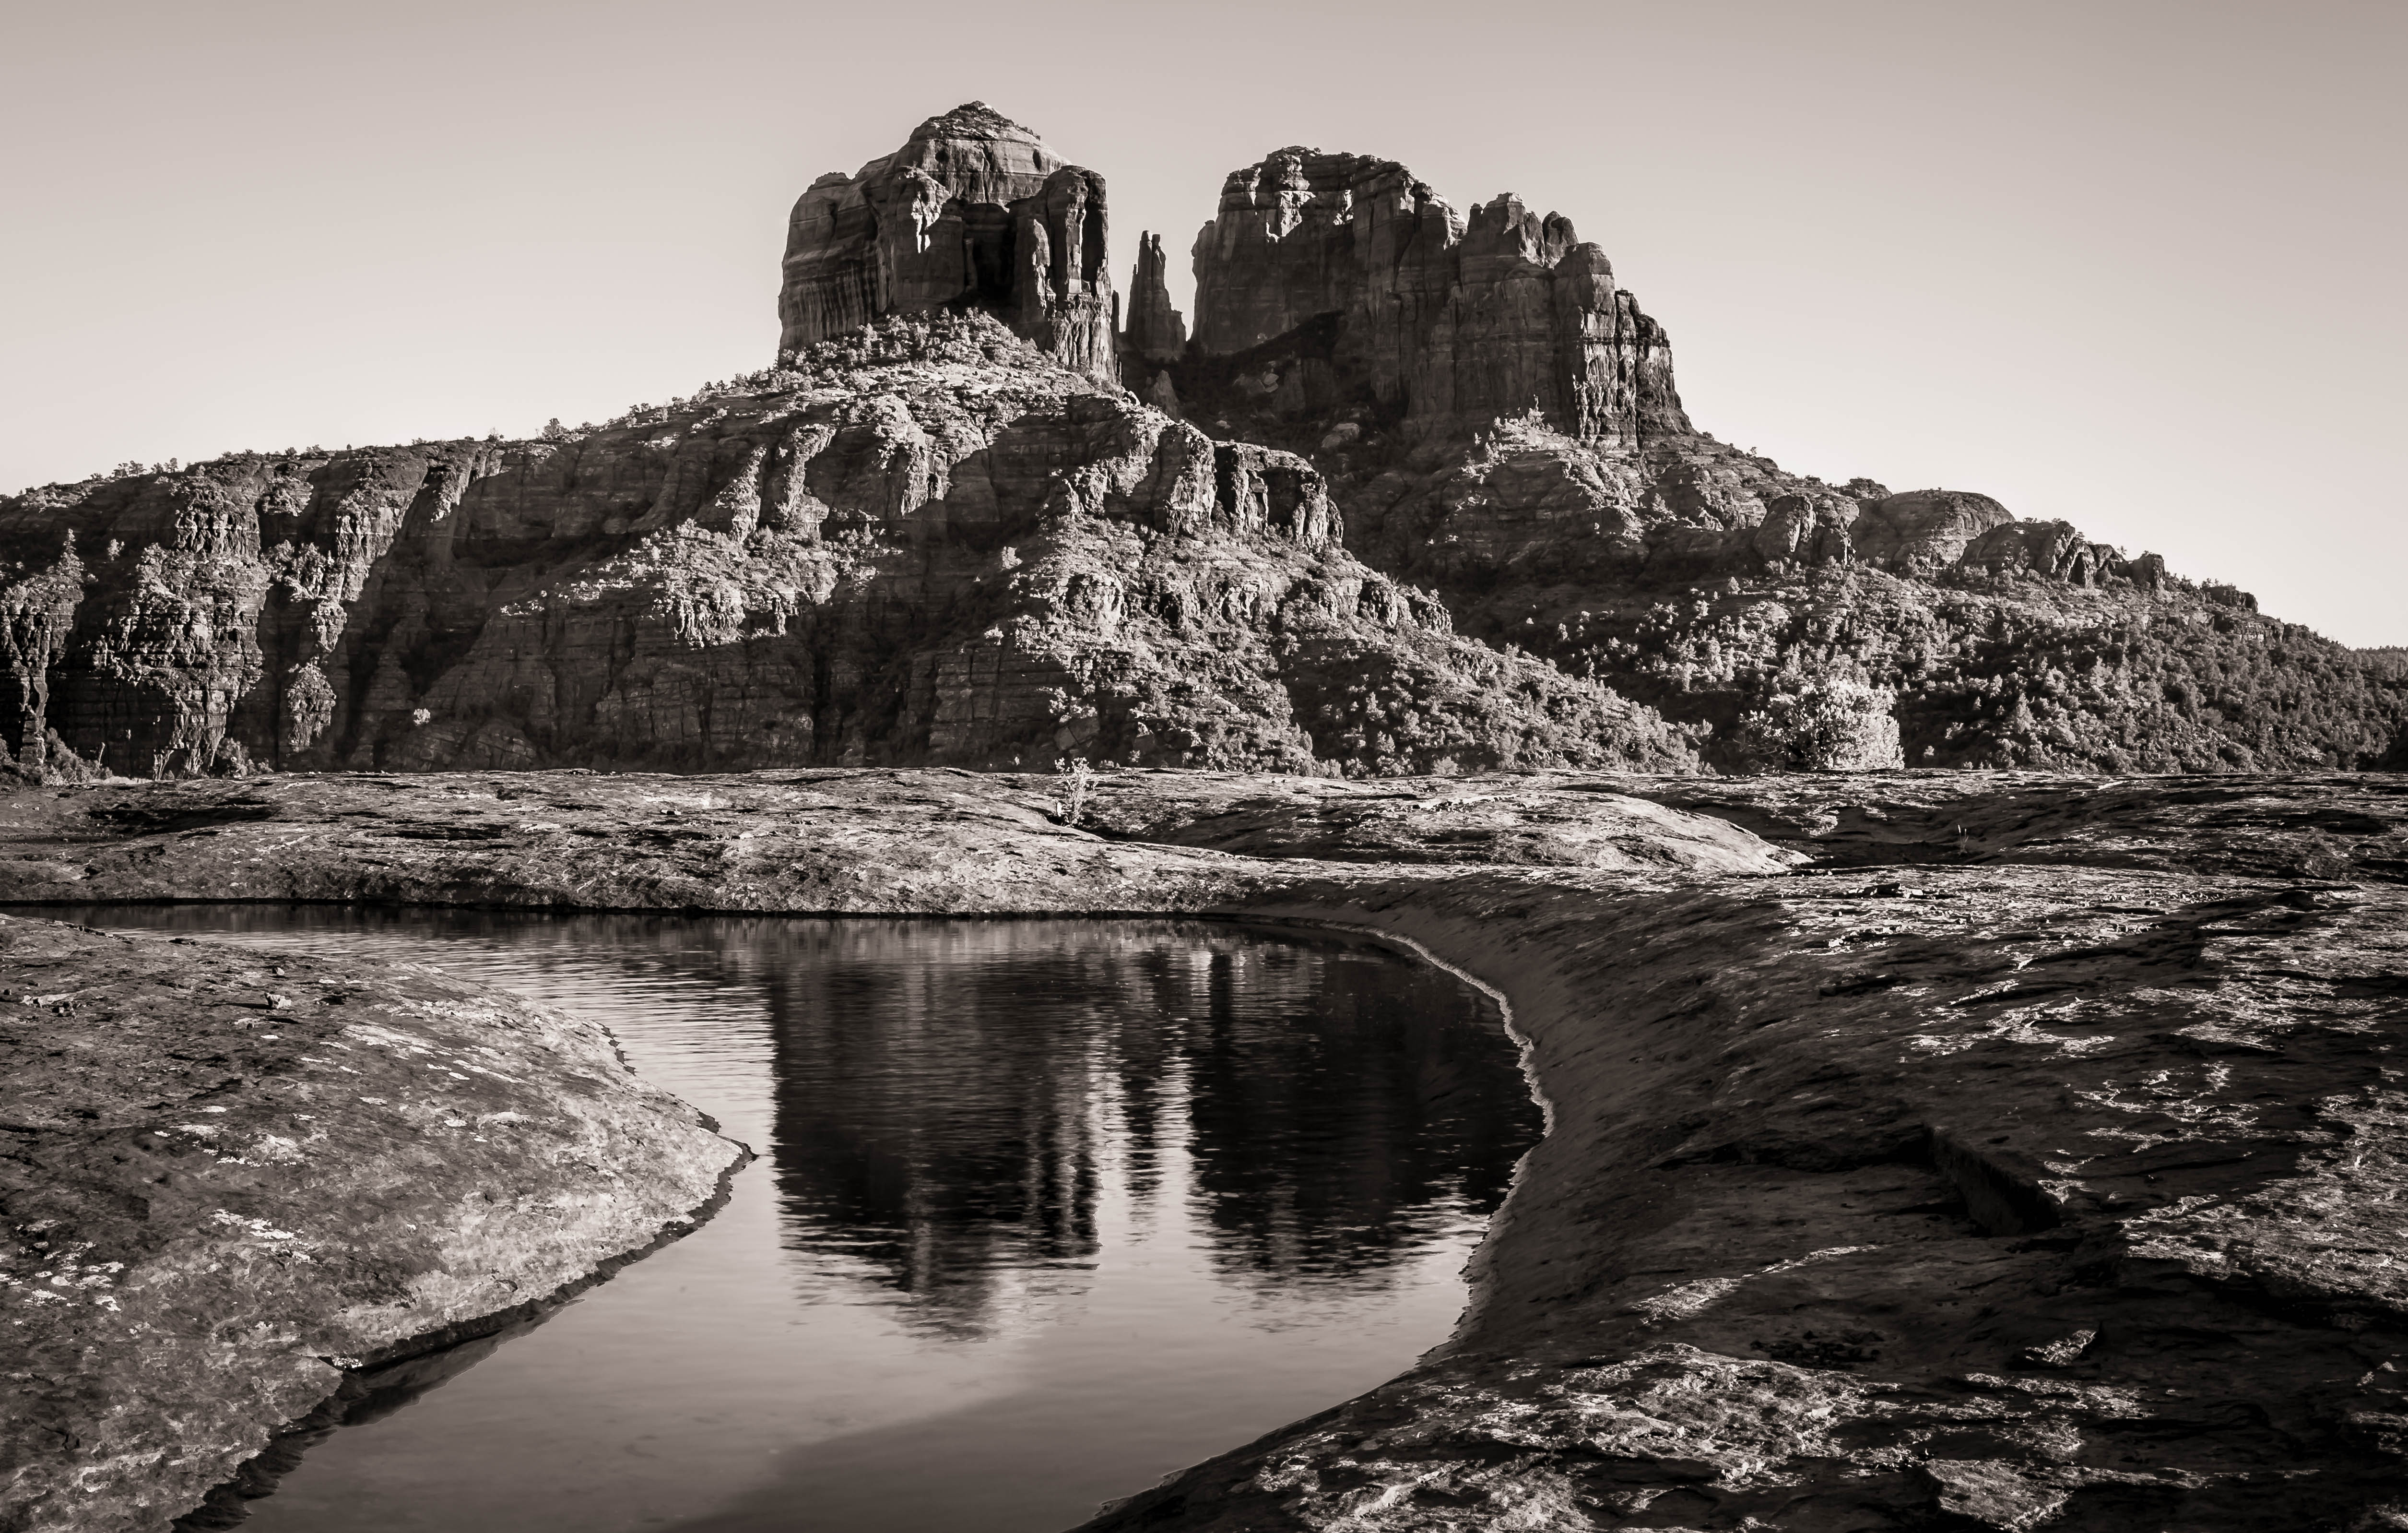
2019	1197
232	1177
2346	826
924	544
850	842
1544	821
2045	1172
973	209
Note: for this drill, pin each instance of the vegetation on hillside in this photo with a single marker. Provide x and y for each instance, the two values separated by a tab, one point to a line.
1987	670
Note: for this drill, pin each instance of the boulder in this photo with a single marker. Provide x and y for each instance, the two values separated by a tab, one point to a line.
1932	526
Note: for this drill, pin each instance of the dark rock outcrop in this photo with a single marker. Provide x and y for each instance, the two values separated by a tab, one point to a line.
1445	322
236	1179
37	612
924	543
973	210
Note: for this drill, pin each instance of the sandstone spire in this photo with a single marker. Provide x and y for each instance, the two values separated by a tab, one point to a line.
972	211
1155	332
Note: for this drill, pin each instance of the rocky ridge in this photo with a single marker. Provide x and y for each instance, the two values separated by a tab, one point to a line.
1459	521
1498	421
923	543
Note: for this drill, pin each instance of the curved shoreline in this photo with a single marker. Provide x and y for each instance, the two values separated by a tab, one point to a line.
2055	1183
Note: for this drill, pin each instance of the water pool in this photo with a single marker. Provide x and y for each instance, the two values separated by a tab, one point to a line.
1046	1209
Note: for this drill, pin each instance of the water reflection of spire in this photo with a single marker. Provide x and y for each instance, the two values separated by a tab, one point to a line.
939	1124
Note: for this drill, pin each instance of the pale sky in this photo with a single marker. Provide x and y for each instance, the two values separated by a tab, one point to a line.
2136	266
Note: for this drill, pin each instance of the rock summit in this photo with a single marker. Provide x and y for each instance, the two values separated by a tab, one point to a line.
972	211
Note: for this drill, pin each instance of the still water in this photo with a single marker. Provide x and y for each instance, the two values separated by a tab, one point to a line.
1046	1209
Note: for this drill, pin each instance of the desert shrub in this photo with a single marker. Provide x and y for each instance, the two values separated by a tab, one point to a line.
1835	725
1077	779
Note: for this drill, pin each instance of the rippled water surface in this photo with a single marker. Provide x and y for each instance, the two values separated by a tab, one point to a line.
1045	1211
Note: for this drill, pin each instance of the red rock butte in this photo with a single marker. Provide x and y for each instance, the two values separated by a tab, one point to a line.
972	211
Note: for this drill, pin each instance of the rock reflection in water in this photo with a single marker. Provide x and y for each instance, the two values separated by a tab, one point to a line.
941	1116
1048	1208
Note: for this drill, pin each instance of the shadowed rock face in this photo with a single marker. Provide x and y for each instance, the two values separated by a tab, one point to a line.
1155	332
973	210
1450	323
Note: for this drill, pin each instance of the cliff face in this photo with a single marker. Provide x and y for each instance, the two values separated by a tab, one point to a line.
972	211
923	543
1448	324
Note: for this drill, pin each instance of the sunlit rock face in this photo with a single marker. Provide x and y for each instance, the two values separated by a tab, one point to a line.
923	543
972	211
1452	322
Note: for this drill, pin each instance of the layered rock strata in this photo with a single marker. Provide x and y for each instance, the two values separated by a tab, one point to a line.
236	1180
924	543
2040	1168
972	211
1445	321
